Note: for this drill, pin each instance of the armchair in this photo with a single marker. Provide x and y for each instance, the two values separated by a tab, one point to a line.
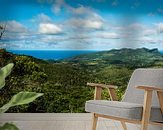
142	102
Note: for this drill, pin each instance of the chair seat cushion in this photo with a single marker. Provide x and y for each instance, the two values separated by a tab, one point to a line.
131	111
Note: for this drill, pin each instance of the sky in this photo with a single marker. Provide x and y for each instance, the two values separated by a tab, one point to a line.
81	24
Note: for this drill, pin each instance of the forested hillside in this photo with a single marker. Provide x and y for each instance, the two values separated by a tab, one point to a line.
130	58
64	82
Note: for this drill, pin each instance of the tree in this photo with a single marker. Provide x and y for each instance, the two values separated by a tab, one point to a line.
2	30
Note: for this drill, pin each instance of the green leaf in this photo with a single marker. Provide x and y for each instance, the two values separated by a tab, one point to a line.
7	70
4	72
8	126
4	108
24	98
20	99
2	82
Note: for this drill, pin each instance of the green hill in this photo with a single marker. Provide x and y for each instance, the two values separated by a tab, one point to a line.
132	58
63	85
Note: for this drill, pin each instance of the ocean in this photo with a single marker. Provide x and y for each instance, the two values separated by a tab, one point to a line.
52	54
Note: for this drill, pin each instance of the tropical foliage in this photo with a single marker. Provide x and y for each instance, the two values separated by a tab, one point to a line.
19	99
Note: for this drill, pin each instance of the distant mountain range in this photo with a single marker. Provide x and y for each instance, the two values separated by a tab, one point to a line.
125	57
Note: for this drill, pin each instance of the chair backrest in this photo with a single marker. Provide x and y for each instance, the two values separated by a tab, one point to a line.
148	77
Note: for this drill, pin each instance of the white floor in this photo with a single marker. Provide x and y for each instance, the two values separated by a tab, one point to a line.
57	121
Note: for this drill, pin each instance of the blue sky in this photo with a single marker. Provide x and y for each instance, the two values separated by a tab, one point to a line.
81	24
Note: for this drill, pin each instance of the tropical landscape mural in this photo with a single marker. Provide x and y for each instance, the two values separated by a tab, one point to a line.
57	46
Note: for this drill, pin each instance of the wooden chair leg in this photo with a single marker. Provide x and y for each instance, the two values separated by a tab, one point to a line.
94	123
124	125
146	110
160	98
144	126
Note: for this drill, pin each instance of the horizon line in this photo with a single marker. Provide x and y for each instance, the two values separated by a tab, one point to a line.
76	49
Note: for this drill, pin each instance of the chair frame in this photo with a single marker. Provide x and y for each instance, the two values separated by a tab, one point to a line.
146	106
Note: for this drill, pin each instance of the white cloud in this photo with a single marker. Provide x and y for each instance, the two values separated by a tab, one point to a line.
149	40
84	12
80	10
108	35
93	24
97	35
9	45
136	26
58	5
89	20
160	27
15	27
45	25
149	32
85	23
48	28
50	39
80	17
43	18
136	30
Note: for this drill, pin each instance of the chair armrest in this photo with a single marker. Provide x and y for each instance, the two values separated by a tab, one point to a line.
148	88
102	85
98	89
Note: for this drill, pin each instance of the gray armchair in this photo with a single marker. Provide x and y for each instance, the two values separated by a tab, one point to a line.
142	102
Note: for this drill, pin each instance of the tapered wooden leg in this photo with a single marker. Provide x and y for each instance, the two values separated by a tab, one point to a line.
160	98
146	109
144	126
94	123
124	125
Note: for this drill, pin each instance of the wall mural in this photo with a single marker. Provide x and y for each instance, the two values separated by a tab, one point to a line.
57	46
